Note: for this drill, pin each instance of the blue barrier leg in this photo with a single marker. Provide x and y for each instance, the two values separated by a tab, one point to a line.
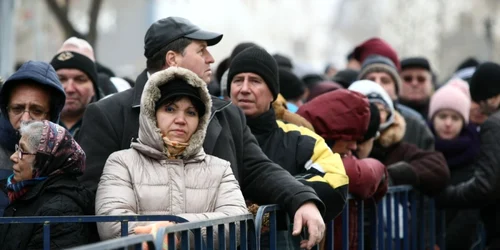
210	238
381	223
232	236
432	224
272	234
414	221
389	221
198	239
185	240
222	236
361	225
442	229
243	235
406	230
330	230
46	236
124	227
397	236
345	227
374	227
422	220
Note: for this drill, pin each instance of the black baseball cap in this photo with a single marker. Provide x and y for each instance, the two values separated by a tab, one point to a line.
166	30
415	62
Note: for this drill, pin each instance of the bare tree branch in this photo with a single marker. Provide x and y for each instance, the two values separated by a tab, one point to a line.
94	15
62	18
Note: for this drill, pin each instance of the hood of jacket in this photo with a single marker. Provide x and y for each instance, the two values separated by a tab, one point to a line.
394	133
150	141
39	73
338	115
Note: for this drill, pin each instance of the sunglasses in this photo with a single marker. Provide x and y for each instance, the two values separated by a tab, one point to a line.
419	79
21	152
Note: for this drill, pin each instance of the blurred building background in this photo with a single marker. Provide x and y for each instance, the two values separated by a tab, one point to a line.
312	32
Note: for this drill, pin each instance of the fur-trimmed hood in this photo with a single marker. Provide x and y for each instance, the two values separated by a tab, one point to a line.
150	140
394	133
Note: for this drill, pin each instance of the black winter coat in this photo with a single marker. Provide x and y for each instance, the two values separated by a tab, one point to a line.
483	190
112	123
56	196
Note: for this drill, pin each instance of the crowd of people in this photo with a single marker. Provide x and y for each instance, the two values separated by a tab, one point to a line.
188	140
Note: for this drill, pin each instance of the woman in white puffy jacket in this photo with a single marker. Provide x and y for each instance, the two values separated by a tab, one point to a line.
166	171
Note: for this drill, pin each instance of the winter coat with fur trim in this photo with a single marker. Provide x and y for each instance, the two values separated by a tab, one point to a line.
142	180
407	164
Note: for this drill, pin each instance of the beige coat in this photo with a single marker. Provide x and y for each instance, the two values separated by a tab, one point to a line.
141	180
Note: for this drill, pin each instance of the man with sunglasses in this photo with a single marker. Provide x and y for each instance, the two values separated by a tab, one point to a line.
416	88
34	92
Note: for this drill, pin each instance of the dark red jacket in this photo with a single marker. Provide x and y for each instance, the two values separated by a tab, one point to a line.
344	115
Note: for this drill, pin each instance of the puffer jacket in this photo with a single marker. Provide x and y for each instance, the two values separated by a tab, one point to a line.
142	180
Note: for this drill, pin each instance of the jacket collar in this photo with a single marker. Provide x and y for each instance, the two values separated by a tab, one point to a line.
263	124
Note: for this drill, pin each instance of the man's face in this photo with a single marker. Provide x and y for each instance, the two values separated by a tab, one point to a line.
79	91
417	84
197	59
26	97
384	80
251	94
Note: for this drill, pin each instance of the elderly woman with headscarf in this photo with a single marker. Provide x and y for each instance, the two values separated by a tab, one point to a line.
47	162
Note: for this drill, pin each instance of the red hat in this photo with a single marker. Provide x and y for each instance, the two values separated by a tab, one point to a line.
376	46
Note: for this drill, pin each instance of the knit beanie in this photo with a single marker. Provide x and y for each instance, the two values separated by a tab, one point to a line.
485	83
376	94
255	60
376	46
374	124
346	77
283	61
291	87
239	48
453	95
73	60
376	63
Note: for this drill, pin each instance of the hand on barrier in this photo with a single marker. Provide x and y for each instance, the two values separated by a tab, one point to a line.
309	215
153	229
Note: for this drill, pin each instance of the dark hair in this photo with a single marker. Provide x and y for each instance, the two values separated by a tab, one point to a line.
174	99
157	61
350	56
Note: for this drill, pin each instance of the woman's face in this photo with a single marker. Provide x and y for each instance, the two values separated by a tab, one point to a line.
178	120
383	112
23	160
448	124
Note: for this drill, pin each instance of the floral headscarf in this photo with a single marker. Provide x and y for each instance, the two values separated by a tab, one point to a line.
58	153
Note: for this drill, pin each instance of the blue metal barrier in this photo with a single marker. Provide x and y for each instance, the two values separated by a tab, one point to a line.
124	242
123	219
193	231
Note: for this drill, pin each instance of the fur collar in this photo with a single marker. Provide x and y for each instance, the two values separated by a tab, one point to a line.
394	133
150	139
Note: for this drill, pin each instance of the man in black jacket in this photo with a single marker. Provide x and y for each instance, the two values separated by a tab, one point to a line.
483	190
110	125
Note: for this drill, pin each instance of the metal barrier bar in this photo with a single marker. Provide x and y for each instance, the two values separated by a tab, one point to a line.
421	216
46	236
406	219
389	221
132	240
380	216
259	219
345	227
361	225
186	228
330	231
432	223
442	229
414	221
374	221
396	204
88	218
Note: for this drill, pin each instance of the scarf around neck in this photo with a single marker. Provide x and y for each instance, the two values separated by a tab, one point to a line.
17	189
461	151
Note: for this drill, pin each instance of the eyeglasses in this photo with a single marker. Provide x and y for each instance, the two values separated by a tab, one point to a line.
34	112
419	79
21	152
